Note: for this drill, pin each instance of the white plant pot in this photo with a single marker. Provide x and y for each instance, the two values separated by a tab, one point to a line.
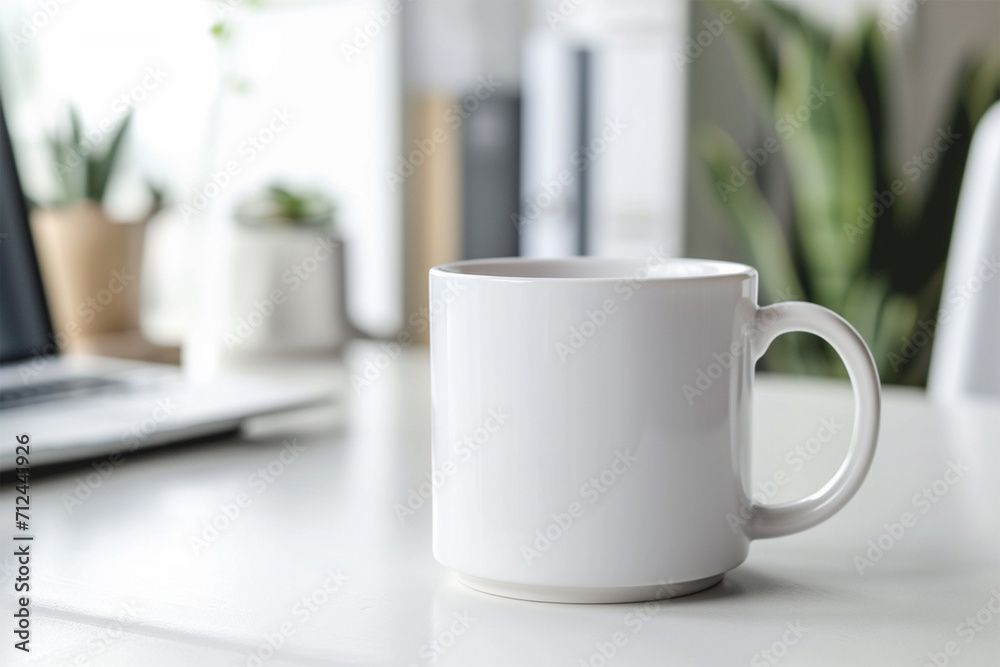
285	290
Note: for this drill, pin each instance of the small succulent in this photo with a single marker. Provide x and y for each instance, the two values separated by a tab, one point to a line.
82	168
281	205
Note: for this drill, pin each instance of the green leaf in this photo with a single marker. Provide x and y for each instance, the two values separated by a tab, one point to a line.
827	147
156	195
750	214
76	134
896	330
983	88
887	277
59	172
754	58
101	167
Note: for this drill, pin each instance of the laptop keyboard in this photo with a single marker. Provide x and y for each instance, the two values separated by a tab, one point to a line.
54	390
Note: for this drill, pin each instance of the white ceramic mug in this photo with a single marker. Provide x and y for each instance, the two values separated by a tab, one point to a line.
591	424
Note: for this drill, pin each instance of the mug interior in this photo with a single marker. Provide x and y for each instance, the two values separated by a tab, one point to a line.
596	268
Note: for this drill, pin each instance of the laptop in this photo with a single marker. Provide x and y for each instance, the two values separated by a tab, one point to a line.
76	408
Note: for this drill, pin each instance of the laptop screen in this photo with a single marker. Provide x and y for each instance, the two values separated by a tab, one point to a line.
25	329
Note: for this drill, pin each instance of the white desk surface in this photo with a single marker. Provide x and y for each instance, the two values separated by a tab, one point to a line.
117	581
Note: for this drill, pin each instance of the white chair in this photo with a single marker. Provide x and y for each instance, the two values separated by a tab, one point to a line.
966	356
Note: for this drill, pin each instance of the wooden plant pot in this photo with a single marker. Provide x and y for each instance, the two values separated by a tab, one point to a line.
90	266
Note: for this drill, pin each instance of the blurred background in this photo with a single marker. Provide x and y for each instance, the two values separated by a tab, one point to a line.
273	178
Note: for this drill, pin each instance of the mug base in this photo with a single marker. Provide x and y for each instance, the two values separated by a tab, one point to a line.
585	595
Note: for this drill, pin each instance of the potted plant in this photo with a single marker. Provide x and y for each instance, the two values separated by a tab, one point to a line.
286	288
90	264
859	241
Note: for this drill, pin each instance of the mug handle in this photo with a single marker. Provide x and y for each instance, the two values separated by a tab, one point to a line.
792	517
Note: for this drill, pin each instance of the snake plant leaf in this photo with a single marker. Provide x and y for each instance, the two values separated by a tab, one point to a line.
891	347
753	56
855	164
869	63
883	318
869	69
782	18
926	301
57	154
76	134
101	166
157	196
94	168
74	164
829	154
826	164
762	235
810	166
863	306
983	88
915	251
69	169
884	276
750	214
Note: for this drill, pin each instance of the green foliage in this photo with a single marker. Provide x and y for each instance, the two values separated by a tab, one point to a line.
281	205
860	240
83	169
296	206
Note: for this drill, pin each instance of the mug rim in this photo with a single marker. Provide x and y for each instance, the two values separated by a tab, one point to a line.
500	269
